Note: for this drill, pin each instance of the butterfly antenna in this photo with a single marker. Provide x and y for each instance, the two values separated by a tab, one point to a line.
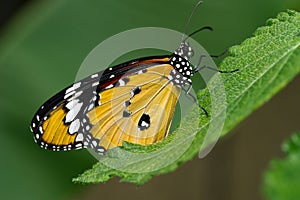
197	31
189	20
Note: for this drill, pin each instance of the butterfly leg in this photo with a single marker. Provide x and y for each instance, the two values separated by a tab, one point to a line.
199	67
194	99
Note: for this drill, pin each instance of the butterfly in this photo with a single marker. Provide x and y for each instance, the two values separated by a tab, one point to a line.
133	102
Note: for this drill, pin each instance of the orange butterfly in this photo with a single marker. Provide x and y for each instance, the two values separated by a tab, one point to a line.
133	102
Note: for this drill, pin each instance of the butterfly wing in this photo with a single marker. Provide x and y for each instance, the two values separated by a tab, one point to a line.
131	102
140	111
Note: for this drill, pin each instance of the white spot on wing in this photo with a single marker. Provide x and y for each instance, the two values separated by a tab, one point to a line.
170	77
78	145
69	94
94	76
74	126
73	112
95	84
79	137
144	124
75	96
73	87
110	86
69	90
91	106
101	150
71	104
94	143
121	82
76	85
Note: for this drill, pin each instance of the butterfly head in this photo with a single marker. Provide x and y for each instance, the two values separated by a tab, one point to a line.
184	50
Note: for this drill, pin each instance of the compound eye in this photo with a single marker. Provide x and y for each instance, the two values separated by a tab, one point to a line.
191	53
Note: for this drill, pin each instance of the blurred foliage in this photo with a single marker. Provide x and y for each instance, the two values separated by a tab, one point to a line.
42	48
281	180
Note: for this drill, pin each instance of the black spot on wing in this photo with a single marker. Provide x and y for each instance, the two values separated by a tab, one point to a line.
127	103
126	113
144	122
126	79
135	91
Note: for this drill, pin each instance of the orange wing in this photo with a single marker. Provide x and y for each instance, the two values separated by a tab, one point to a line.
139	111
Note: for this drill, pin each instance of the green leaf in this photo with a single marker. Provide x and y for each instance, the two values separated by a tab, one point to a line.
281	180
266	62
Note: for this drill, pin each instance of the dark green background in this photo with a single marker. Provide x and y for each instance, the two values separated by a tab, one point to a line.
40	52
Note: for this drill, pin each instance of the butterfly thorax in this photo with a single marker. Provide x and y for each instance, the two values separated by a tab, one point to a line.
181	75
